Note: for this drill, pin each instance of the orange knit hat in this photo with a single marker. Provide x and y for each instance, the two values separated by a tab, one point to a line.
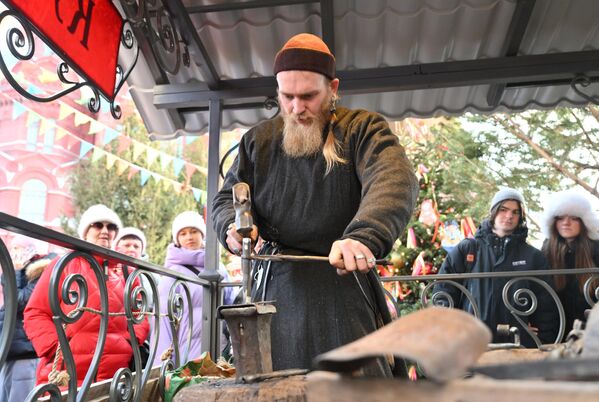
305	52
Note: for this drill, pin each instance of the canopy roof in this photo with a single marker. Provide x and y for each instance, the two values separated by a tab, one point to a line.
398	57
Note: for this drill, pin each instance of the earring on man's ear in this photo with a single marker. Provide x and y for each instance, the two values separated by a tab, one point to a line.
333	107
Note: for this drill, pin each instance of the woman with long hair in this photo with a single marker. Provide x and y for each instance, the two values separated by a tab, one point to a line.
572	231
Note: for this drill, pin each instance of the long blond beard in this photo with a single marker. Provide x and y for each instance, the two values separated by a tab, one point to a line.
304	141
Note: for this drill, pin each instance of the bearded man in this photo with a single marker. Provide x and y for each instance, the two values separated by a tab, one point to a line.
324	181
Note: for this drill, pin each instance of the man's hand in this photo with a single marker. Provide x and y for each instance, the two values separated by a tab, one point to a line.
234	239
348	255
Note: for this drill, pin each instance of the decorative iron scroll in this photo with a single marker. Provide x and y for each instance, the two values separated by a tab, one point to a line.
176	309
583	81
587	290
20	42
156	22
524	298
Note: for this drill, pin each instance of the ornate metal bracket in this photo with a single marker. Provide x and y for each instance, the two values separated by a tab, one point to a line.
582	80
20	41
156	21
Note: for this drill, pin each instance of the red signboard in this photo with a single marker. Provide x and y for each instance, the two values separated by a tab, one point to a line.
85	32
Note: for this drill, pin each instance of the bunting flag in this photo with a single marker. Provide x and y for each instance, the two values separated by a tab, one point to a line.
110	135
152	155
124	143
189	170
32	118
65	111
97	154
121	166
60	132
197	194
138	149
110	159
178	164
17	110
95	127
47	77
44	126
107	135
85	147
144	176
165	160
81	119
132	171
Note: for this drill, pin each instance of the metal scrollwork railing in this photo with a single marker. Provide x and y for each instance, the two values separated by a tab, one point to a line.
450	290
73	293
9	284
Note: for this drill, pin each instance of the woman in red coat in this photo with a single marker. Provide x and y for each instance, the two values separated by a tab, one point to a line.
98	225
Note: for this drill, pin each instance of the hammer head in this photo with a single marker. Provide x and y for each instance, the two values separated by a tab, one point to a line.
243	209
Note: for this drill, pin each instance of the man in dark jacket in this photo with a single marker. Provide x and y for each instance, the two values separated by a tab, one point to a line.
17	376
325	181
499	246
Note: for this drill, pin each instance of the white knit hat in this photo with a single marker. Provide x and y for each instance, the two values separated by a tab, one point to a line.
508	193
131	232
573	203
188	219
97	213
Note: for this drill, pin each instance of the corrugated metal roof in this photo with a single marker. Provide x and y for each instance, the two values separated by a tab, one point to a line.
373	34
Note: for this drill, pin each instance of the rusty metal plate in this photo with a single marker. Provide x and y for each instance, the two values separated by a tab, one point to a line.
444	342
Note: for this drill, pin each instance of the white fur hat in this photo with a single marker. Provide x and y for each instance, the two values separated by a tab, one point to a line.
97	213
507	193
188	219
131	232
573	203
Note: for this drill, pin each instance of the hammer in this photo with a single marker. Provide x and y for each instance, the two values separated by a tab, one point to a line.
244	224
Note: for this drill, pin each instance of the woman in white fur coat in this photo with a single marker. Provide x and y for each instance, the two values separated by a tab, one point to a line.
572	230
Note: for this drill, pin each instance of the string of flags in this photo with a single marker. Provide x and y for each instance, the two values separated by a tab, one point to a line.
105	135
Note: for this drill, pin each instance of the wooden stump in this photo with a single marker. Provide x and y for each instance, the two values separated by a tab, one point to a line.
288	389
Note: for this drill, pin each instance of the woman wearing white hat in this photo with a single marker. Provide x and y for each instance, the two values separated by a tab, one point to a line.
572	231
98	225
185	255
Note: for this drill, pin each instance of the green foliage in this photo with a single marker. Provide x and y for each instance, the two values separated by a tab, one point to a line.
151	207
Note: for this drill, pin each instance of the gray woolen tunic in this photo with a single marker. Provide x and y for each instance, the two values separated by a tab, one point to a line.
369	199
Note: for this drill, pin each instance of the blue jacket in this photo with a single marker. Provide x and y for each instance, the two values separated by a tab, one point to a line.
21	347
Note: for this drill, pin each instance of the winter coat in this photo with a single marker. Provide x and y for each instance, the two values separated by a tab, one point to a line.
84	333
571	295
176	259
369	198
513	254
21	347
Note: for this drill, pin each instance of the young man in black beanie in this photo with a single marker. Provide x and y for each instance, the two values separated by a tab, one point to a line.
500	245
327	181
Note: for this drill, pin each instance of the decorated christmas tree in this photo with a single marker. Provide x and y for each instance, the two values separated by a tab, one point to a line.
446	160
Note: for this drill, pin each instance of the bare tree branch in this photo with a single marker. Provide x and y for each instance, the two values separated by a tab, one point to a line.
515	129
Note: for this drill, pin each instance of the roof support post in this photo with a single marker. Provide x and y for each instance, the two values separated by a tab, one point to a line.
210	326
